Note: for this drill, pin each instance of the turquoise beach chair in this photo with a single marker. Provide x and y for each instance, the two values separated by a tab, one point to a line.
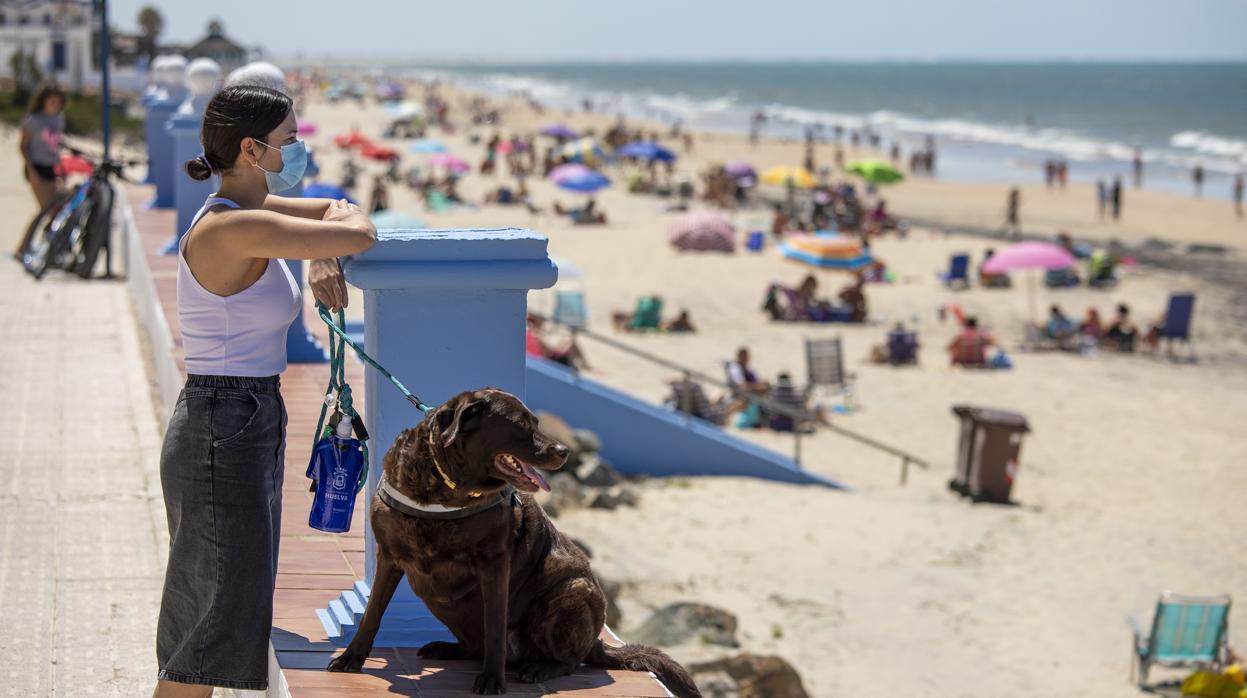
569	309
1186	631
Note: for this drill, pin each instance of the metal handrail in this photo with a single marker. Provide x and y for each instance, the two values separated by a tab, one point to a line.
799	417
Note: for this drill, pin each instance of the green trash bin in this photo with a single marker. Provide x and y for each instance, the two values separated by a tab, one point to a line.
987	453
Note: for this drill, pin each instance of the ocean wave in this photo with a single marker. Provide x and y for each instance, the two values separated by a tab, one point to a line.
1184	150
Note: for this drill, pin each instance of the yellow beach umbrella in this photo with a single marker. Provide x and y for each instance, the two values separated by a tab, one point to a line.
789	176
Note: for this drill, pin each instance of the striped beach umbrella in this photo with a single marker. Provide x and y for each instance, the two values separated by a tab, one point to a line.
826	251
584	150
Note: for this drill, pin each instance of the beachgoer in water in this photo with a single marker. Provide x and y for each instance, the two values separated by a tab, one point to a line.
1238	194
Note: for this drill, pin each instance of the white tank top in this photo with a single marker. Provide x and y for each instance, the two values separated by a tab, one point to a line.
239	335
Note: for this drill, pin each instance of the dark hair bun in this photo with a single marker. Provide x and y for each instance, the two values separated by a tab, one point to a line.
198	168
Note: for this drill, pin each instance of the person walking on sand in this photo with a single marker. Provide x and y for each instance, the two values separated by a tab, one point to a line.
1115	198
1238	194
223	455
1101	197
1012	212
1197	177
1137	165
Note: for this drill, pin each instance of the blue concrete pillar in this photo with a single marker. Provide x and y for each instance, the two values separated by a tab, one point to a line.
188	194
444	311
160	163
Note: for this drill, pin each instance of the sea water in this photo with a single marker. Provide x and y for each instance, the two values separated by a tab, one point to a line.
993	122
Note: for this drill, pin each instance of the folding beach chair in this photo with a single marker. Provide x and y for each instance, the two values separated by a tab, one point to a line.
569	309
648	314
958	271
1186	631
824	368
1178	320
689	398
902	348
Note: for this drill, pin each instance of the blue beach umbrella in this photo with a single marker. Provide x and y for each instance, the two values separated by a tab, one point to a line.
558	131
427	146
320	190
647	150
585	182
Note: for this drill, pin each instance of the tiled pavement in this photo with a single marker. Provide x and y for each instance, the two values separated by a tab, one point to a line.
316	567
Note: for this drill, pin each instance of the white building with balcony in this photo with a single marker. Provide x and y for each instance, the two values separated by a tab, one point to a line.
56	32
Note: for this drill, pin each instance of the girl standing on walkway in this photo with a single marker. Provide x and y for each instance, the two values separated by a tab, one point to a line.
222	461
43	128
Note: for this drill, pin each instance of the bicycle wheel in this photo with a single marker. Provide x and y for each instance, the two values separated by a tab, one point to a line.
39	236
97	230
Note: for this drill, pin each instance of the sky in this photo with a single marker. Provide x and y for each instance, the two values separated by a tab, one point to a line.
578	30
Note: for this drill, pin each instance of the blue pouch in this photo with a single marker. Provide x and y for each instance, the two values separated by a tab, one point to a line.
338	469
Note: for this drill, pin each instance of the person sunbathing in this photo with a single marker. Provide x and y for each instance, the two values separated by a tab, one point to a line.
1060	328
969	347
682	323
569	354
855	298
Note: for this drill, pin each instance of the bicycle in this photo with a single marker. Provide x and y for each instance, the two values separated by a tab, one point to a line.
74	227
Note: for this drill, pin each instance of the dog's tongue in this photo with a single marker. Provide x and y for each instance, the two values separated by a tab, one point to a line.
535	476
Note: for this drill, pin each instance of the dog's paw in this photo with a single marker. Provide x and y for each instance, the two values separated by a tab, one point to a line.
441	650
535	672
489	684
347	662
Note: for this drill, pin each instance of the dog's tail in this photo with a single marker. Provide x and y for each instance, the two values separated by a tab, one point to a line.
642	658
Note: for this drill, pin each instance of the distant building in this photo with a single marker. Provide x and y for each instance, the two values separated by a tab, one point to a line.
56	32
219	48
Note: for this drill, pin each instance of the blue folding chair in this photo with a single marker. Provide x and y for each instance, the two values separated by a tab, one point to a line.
1186	631
569	309
958	271
1178	320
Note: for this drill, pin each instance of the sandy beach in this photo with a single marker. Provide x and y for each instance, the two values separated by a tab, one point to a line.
1131	482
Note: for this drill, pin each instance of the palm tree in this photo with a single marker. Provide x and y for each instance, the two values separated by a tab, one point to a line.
152	23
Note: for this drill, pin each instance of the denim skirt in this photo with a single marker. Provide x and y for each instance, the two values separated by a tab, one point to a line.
221	470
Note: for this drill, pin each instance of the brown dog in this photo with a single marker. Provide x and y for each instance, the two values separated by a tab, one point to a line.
511	588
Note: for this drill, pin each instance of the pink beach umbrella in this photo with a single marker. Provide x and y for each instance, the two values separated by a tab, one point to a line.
307	128
1030	255
450	162
703	231
566	172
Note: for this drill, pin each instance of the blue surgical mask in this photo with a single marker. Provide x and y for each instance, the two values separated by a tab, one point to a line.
293	164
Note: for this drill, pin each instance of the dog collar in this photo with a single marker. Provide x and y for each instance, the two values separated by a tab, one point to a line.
406	505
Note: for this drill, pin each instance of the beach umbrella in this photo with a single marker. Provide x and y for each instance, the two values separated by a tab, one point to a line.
351	139
307	128
558	131
826	251
389	218
647	150
1030	255
320	190
875	171
704	231
450	162
373	151
585	183
427	146
584	150
789	176
568	171
740	169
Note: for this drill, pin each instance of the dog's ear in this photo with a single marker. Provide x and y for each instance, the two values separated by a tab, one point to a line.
461	421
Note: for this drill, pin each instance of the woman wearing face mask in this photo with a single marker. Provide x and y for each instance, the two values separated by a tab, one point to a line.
223	455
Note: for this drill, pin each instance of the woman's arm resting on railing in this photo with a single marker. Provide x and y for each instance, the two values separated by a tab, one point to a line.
260	234
295	206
